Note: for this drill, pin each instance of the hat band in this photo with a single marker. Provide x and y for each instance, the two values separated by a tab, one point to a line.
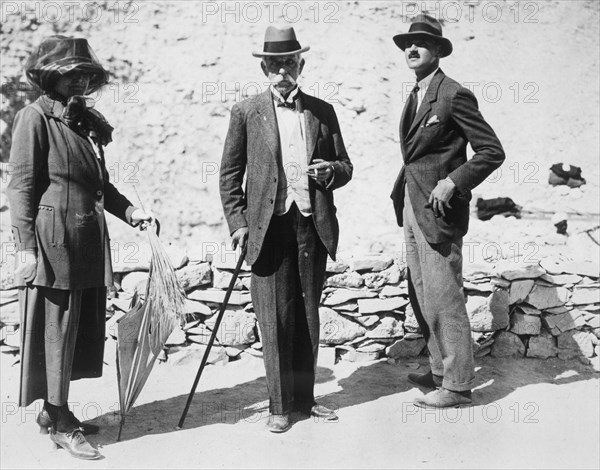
281	46
424	28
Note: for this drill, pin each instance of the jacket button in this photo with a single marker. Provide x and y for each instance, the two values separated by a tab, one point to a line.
271	201
99	193
306	254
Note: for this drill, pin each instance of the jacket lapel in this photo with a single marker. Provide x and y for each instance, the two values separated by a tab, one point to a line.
265	113
54	109
430	96
311	124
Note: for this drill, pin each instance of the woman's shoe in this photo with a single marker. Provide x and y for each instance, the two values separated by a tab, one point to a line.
75	444
45	423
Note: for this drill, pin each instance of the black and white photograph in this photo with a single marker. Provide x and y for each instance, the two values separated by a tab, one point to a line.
300	234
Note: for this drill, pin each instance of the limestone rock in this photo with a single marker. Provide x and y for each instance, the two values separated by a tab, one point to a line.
193	354
563	322
572	344
528	310
587	295
561	279
194	275
519	290
370	346
228	261
235	351
393	291
217	296
367	320
489	314
375	280
547	297
222	278
236	328
193	307
335	329
336	267
482	287
348	353
526	324
367	306
340	296
542	346
371	263
528	271
388	327
405	348
135	282
507	344
10	314
410	321
176	338
346	279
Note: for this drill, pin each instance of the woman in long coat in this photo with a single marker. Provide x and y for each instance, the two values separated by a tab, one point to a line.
58	194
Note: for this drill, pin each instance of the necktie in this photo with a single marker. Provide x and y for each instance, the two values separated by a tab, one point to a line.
286	104
411	109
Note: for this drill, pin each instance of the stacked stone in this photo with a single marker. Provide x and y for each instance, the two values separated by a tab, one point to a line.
544	309
541	310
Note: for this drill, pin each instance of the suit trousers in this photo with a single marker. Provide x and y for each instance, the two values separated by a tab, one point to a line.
436	293
287	282
56	326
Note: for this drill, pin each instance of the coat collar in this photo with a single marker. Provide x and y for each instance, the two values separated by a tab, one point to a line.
265	111
430	96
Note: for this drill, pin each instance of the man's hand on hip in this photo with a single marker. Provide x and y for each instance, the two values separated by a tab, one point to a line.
440	196
239	237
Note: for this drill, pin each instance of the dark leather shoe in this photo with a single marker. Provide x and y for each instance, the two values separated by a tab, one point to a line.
279	423
75	443
45	423
428	380
444	398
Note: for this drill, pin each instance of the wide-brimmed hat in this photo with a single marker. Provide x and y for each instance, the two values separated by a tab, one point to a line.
58	55
424	27
279	42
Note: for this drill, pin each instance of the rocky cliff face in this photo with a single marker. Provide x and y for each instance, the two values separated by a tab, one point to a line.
178	67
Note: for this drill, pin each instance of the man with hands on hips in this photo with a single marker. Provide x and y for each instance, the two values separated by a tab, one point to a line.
431	200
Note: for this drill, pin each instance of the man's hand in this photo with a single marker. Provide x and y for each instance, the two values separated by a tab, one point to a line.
320	170
239	237
440	196
144	219
25	267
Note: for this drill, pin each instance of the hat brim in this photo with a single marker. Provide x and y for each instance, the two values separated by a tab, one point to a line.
401	41
280	54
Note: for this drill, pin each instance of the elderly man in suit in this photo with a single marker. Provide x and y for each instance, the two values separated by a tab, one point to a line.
431	200
289	146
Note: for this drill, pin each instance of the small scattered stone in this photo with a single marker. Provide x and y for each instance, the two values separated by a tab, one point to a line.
348	353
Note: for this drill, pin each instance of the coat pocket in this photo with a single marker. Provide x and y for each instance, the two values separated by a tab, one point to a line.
45	223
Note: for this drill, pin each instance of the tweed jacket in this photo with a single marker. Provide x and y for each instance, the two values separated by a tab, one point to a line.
435	148
58	193
253	149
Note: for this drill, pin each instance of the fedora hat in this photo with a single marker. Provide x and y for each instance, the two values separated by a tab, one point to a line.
424	27
279	42
59	55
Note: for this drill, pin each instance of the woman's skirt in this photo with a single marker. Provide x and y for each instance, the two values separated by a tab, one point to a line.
62	339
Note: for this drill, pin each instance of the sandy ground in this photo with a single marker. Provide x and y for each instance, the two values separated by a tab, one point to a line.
527	414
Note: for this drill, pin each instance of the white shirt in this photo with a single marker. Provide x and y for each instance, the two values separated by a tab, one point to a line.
423	85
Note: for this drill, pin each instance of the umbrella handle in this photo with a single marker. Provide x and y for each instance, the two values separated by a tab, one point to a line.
212	336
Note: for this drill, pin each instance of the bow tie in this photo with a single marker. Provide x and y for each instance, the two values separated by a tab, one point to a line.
286	104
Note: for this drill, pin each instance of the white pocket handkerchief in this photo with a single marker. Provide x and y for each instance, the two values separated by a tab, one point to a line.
432	120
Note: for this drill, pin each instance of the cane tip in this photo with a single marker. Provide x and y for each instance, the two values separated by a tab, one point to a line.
177	428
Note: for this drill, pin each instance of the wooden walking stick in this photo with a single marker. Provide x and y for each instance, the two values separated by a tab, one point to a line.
236	272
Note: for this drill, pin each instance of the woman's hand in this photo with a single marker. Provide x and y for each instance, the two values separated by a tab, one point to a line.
25	267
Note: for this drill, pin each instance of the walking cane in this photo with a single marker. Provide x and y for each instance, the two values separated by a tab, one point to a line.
236	272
